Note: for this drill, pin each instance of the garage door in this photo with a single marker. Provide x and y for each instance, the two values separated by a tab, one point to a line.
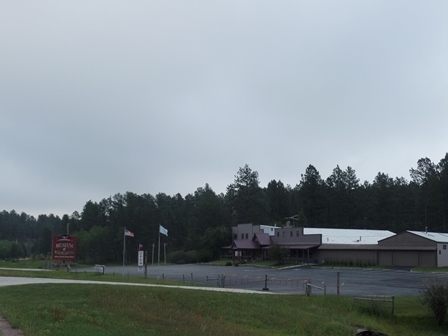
385	258
405	258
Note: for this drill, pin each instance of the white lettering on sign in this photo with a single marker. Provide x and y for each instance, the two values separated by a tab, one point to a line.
140	258
64	245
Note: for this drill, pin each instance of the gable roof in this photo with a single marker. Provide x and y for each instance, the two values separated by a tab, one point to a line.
434	236
263	238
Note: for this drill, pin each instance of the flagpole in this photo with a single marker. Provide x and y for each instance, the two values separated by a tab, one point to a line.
124	244
152	255
158	254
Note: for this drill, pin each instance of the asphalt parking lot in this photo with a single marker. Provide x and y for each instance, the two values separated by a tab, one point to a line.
391	282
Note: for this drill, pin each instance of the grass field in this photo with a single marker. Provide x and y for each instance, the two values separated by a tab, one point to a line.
75	309
121	310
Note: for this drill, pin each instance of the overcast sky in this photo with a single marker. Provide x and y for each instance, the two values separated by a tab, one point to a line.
105	97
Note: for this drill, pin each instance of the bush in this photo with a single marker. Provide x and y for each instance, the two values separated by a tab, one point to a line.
435	297
204	255
179	257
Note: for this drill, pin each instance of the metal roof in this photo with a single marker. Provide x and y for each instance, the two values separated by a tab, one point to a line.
245	244
434	236
349	236
375	247
263	238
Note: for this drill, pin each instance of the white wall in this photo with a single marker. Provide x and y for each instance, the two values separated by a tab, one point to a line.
442	254
268	229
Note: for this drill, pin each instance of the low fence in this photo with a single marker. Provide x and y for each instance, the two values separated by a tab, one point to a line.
375	301
309	288
265	282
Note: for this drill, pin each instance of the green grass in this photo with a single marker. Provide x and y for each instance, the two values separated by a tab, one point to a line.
29	263
72	309
120	310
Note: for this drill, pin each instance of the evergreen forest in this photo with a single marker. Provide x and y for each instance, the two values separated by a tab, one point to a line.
200	222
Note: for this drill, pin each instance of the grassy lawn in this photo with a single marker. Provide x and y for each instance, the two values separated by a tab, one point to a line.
72	309
121	310
22	263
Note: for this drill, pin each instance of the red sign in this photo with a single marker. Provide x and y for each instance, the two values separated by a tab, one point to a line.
64	247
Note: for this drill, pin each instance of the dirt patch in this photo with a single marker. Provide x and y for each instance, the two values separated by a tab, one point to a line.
7	330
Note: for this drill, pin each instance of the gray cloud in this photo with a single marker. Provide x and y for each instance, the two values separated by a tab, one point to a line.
107	97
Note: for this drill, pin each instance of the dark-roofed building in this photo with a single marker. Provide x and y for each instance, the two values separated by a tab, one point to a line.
343	246
253	241
252	249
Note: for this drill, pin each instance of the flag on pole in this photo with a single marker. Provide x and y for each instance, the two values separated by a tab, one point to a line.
162	230
128	233
140	247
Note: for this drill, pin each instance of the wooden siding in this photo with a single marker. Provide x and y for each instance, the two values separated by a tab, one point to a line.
341	256
385	258
406	238
294	235
428	259
407	258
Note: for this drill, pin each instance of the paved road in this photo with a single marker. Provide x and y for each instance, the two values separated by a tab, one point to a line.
290	280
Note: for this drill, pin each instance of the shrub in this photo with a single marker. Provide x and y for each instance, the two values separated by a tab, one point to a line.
276	253
173	257
192	257
435	297
182	257
204	255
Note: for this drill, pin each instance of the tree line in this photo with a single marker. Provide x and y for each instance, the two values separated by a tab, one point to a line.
201	221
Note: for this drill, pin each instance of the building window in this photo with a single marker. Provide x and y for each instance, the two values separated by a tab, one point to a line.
247	236
242	236
440	252
298	233
278	234
444	247
235	236
283	233
290	234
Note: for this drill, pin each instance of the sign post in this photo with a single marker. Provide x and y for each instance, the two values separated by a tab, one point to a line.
146	264
63	247
140	257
